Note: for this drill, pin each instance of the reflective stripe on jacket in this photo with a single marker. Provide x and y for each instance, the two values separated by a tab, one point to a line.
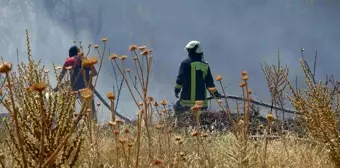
194	77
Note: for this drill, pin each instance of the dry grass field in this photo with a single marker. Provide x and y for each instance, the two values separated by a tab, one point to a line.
43	131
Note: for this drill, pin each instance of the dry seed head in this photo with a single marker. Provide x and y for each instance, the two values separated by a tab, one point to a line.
145	53
112	123
104	40
164	102
140	104
181	154
122	140
113	56
126	131
244	73
142	48
130	144
250	91
245	78
149	99
219	101
178	138
59	67
261	126
270	117
128	70
242	84
122	57
157	162
194	108
135	58
195	134
110	95
155	104
164	110
96	46
90	61
116	132
39	87
159	126
132	47
118	121
199	104
219	78
5	67
86	93
98	103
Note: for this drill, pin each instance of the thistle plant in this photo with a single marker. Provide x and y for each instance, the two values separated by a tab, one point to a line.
274	75
43	131
319	107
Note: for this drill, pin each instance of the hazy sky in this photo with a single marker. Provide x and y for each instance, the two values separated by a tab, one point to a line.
235	34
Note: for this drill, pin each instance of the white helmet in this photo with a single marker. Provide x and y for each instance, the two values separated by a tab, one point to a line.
192	44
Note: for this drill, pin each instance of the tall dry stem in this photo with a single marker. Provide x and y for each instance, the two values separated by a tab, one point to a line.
319	107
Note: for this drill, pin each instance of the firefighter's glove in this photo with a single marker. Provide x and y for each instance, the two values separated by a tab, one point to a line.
177	92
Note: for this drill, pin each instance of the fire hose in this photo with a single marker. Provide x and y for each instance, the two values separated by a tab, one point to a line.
257	103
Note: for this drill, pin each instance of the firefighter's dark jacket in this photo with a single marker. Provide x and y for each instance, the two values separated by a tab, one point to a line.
194	77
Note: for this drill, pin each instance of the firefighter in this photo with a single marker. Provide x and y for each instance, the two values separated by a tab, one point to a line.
78	73
193	79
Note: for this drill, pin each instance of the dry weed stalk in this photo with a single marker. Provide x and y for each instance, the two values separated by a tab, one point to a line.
92	126
242	156
143	74
319	107
275	77
276	83
43	131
